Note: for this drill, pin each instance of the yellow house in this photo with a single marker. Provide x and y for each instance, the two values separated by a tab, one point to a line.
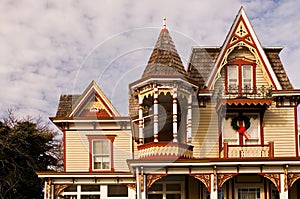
225	128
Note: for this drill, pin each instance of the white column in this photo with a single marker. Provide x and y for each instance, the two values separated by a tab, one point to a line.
213	189
141	122
175	114
138	185
155	114
283	194
189	121
143	196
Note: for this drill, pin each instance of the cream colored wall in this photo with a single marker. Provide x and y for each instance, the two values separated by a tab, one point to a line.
77	149
279	126
205	132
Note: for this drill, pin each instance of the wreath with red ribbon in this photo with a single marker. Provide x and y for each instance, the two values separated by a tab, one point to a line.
241	129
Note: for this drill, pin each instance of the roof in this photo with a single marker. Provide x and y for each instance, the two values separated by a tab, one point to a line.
203	59
242	33
201	62
273	56
70	105
65	104
164	59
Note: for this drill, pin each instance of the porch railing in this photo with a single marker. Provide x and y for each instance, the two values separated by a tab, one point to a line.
247	151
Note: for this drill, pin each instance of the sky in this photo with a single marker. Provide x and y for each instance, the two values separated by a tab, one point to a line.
54	47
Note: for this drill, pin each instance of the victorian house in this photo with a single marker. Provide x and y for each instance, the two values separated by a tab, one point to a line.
224	128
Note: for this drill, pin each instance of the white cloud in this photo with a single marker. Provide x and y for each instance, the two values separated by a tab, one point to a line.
44	43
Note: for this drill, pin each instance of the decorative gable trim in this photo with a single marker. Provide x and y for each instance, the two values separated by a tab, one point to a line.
242	34
93	89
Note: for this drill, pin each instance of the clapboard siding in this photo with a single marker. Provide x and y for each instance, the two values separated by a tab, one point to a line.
261	79
205	132
77	150
279	127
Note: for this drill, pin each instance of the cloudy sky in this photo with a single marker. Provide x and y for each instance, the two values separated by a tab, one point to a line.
53	47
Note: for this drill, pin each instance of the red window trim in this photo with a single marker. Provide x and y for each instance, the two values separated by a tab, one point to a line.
111	138
240	63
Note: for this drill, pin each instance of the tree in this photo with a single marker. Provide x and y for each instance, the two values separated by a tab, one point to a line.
26	146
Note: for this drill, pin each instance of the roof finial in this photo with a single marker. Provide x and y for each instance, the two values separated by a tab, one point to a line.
164	23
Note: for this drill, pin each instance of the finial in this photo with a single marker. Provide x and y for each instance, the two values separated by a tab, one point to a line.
164	23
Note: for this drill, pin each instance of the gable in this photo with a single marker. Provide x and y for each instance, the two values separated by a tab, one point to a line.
93	103
242	36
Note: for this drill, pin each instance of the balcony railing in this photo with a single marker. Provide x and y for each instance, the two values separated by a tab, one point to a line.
247	151
231	92
165	150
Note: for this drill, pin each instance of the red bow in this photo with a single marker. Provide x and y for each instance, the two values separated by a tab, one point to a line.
242	130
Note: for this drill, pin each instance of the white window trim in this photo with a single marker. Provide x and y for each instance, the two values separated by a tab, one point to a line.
251	77
237	75
93	155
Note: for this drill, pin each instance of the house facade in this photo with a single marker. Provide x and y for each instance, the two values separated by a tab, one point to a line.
224	128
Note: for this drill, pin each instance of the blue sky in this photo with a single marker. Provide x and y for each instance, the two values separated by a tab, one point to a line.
53	47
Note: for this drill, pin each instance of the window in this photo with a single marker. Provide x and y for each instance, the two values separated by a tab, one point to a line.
101	152
232	71
248	193
247	77
117	191
240	77
231	136
168	190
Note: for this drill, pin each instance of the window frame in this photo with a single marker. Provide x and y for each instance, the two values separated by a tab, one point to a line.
91	139
240	76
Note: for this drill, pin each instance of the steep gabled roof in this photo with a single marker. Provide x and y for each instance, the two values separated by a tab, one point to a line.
242	34
164	59
92	102
93	98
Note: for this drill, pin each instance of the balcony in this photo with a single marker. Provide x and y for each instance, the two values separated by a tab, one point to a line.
165	150
247	151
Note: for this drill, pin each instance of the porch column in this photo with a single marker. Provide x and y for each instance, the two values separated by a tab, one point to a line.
144	189
138	183
213	185
141	122
175	114
189	121
284	192
155	114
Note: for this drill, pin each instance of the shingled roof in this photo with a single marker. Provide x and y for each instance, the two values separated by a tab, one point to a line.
203	59
201	63
164	59
273	56
65	104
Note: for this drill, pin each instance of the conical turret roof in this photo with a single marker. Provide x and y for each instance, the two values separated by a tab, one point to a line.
164	59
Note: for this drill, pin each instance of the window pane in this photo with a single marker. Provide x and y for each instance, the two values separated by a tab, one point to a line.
247	76
101	147
155	196
156	187
117	191
90	188
232	71
90	197
173	187
173	196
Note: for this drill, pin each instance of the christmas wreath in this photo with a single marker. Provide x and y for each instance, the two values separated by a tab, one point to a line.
241	129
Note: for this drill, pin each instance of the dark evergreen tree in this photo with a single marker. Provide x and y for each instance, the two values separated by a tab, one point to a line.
26	146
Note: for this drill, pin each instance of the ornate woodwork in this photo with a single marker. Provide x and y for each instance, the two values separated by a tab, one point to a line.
151	179
274	177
